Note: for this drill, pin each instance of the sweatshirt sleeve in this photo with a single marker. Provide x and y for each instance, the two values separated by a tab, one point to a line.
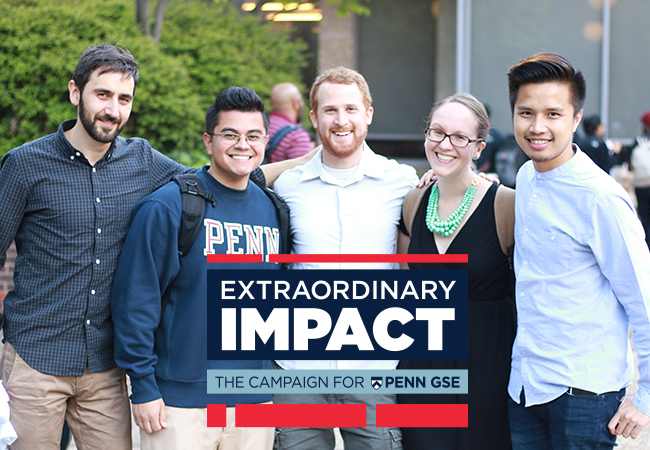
148	264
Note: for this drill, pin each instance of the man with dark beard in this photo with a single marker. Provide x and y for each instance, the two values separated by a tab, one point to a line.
66	199
347	199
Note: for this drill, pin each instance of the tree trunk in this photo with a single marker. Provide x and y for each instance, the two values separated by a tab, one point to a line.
159	19
142	16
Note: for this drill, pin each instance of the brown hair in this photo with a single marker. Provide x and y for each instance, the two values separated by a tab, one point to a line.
473	105
339	75
106	58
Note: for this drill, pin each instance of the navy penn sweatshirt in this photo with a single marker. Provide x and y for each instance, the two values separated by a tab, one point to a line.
166	357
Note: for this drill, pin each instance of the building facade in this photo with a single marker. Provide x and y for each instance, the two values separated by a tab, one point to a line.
413	52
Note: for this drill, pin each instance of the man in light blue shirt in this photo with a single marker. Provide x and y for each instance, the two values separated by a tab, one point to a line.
583	277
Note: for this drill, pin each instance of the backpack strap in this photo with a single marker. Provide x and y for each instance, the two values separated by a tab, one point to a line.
410	206
194	198
504	214
284	218
277	138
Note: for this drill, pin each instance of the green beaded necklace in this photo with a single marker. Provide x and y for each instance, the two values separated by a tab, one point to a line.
447	227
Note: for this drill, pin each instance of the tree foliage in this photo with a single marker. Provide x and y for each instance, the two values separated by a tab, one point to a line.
351	7
257	56
204	49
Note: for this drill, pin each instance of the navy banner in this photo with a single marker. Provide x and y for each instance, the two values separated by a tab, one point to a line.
337	314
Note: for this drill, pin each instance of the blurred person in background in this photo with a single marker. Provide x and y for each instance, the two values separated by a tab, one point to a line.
287	139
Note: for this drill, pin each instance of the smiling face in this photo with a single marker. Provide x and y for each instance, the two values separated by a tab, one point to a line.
104	106
544	123
342	123
446	159
232	164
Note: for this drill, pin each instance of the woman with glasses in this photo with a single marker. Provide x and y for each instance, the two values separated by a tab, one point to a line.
463	213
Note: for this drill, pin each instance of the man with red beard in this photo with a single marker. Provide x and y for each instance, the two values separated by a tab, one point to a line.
347	199
66	199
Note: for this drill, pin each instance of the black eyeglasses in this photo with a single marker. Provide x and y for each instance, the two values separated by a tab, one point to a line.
457	140
233	138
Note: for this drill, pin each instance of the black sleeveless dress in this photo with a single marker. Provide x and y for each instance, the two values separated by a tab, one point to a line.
492	326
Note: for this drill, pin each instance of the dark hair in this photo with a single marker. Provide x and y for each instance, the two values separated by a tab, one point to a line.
590	124
476	107
545	68
234	99
106	58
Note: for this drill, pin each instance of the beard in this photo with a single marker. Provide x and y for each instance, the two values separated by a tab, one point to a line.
94	129
338	150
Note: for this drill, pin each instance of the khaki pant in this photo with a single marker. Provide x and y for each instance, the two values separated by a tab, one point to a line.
96	406
187	430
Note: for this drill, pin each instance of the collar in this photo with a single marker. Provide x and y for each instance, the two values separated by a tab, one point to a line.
368	166
565	168
62	142
71	152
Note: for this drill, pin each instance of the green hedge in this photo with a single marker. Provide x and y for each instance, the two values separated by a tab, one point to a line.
204	49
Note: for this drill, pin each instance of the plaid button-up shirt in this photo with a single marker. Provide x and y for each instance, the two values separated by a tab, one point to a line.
69	220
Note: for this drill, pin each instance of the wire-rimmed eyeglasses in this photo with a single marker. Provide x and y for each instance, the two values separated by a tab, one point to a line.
457	140
233	138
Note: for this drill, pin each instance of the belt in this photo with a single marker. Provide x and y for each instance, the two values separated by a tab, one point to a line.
576	391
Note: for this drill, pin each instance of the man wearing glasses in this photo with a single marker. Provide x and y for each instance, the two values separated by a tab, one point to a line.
164	351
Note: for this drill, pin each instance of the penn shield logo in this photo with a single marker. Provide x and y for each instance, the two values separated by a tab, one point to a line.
376	382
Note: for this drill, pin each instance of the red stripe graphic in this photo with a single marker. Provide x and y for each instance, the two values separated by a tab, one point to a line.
236	258
216	416
337	258
366	258
266	415
453	416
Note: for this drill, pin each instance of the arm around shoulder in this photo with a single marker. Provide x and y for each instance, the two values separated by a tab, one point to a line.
163	168
274	170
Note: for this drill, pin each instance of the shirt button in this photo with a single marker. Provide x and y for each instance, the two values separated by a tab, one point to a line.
94	170
525	230
92	292
78	154
88	322
99	231
552	238
72	158
539	177
96	261
534	195
97	200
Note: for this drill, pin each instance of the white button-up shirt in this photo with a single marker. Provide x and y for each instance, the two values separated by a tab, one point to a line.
359	214
583	276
